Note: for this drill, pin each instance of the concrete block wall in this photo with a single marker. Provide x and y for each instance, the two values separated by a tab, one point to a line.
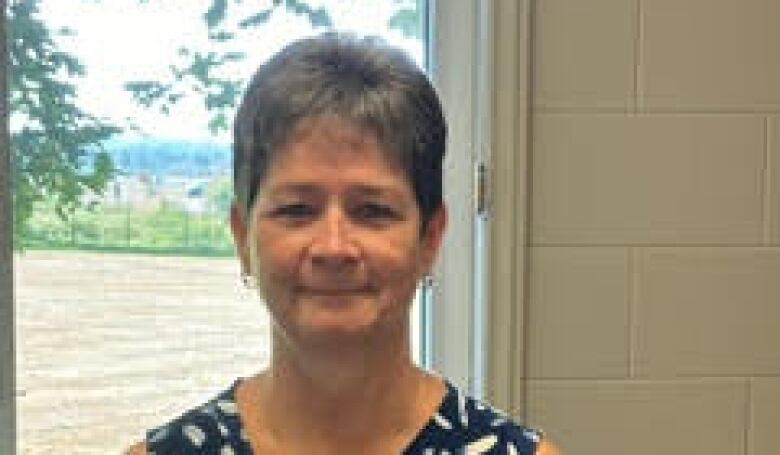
653	319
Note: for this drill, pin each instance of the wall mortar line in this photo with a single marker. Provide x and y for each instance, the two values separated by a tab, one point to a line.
639	105
632	291
766	193
748	412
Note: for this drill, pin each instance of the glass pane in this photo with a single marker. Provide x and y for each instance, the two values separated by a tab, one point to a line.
129	304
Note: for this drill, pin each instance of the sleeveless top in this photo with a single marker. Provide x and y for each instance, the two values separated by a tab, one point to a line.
461	425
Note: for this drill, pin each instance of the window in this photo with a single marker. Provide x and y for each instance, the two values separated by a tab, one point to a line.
135	298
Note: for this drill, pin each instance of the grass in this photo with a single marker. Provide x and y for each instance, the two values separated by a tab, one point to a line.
165	230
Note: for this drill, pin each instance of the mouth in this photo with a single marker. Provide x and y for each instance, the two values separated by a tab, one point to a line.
334	292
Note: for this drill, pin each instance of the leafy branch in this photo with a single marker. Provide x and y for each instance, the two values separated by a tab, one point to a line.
56	153
200	71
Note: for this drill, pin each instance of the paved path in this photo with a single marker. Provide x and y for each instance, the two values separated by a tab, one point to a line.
111	344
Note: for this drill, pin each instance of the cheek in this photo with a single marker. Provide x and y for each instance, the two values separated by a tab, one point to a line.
399	267
273	260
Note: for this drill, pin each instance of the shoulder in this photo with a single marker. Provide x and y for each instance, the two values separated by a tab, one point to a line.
465	423
137	449
494	424
547	448
209	428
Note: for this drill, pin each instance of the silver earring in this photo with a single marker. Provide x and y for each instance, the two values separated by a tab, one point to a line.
248	280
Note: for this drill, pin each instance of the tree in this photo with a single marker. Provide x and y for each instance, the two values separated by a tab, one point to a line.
408	18
56	152
220	195
200	71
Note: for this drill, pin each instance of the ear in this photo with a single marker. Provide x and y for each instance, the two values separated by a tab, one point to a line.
238	226
432	237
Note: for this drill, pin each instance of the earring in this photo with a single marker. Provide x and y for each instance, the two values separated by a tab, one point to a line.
248	280
429	281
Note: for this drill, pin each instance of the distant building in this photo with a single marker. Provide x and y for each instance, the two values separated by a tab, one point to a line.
149	193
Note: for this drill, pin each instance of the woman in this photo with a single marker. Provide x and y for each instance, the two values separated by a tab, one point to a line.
338	214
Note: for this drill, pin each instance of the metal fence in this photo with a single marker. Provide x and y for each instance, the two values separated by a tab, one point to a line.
161	229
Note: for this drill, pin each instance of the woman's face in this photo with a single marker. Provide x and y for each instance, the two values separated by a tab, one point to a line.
334	237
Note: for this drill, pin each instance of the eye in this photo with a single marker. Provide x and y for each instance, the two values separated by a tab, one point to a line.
294	211
372	211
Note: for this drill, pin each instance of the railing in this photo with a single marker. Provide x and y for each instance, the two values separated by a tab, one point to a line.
163	229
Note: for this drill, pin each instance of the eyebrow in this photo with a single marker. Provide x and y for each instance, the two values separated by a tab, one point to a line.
293	188
372	190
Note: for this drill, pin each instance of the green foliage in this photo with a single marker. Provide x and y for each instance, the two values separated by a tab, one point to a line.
55	154
200	70
220	194
318	17
216	13
256	19
167	229
408	18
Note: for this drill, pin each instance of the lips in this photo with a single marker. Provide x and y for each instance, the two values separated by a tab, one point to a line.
335	298
334	291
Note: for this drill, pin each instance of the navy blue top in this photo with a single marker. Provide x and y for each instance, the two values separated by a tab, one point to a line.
461	425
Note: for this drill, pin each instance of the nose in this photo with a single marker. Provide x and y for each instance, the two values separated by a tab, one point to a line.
333	245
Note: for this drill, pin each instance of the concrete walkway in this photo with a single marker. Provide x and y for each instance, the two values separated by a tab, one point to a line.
109	345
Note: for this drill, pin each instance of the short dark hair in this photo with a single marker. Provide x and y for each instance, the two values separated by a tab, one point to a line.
362	81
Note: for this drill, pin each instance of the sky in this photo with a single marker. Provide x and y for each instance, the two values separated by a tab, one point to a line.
124	40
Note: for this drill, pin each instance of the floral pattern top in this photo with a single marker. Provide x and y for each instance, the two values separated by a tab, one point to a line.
461	425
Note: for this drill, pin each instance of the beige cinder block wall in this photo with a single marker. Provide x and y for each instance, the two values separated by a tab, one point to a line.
652	321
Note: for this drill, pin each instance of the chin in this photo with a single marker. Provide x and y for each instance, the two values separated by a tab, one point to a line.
339	324
344	331
353	321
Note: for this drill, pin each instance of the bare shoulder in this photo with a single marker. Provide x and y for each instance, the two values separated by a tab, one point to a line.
137	449
547	448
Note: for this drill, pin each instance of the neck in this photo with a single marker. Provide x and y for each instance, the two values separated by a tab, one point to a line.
343	395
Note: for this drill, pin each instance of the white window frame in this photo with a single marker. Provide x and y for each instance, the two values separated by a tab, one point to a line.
459	56
481	62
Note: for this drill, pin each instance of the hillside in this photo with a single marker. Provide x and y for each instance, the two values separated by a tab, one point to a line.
170	158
